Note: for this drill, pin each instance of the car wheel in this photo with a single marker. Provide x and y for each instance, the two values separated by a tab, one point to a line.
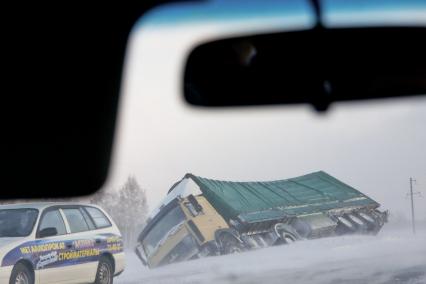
21	275
105	272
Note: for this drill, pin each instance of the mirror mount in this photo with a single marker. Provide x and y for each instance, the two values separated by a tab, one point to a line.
47	232
195	203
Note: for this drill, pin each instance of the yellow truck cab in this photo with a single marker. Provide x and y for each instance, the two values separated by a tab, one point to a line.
182	228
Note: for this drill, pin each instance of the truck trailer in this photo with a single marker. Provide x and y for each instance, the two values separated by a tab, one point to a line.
201	217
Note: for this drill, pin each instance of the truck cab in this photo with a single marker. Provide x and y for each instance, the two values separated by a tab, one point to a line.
182	229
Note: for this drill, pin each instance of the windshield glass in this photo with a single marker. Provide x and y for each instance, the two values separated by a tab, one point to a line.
332	197
162	228
373	147
17	222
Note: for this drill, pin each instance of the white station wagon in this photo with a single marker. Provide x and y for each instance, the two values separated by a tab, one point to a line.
58	243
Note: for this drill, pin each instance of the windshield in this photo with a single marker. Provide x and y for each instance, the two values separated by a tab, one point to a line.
278	192
17	222
162	228
355	155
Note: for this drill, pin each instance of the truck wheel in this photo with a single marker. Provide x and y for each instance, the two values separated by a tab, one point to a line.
105	274
21	275
286	234
287	238
230	244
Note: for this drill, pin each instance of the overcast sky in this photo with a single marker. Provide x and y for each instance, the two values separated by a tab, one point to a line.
373	147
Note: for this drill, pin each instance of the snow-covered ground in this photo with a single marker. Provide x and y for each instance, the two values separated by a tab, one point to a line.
391	257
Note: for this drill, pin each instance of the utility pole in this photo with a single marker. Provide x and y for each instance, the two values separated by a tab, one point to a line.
413	220
412	206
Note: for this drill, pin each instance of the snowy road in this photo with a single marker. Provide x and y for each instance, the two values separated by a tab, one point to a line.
391	257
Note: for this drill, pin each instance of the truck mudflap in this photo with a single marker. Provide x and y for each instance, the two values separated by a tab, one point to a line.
141	254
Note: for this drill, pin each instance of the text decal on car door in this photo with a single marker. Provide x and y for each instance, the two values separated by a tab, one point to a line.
48	254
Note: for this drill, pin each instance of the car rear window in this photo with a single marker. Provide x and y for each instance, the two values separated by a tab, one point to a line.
101	221
75	220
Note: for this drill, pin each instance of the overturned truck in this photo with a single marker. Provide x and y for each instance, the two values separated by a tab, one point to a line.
201	217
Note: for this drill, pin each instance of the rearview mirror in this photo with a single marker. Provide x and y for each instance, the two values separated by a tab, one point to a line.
317	66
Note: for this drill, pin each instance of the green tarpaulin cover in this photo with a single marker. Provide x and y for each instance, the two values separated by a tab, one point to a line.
257	201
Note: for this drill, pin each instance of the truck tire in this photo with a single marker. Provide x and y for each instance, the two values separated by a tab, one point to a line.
230	244
286	234
287	238
21	274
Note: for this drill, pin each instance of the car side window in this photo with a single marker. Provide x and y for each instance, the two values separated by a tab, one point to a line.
75	220
53	219
88	219
101	221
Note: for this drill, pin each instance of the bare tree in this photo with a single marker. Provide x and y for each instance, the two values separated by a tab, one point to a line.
127	206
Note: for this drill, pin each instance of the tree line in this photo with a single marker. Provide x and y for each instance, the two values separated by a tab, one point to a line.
127	207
